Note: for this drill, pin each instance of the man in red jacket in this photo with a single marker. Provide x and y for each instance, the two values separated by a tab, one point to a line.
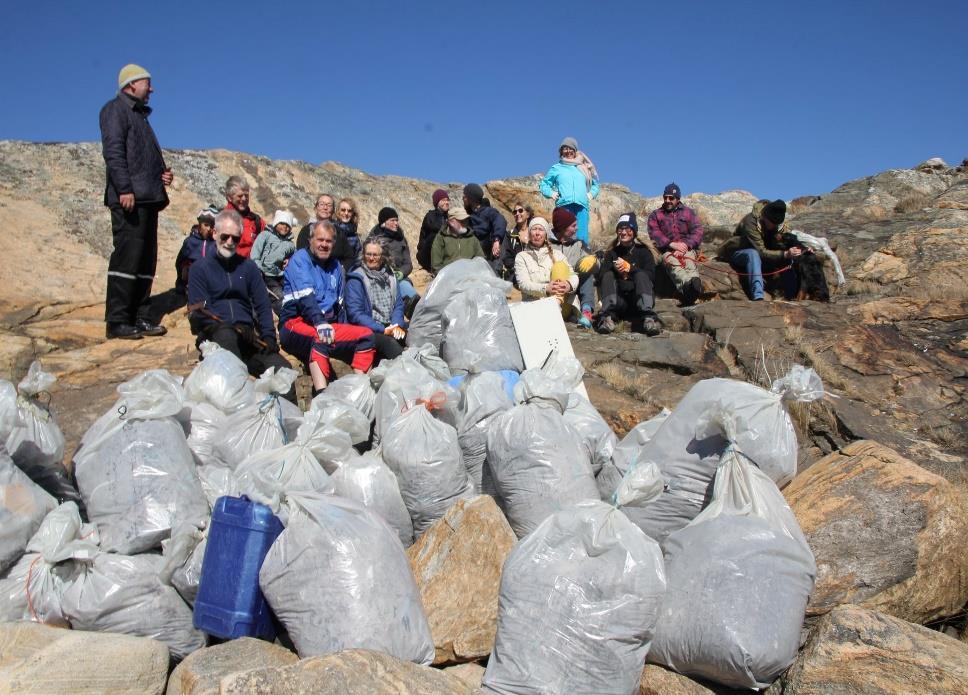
237	198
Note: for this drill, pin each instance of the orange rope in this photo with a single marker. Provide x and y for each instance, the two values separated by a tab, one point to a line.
30	603
702	260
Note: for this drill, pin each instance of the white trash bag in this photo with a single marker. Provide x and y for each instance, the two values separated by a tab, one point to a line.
424	455
205	422
626	452
537	460
121	593
269	422
347	426
32	589
688	455
36	444
356	390
406	382
478	335
578	605
597	437
220	379
23	506
337	578
740	575
367	480
482	397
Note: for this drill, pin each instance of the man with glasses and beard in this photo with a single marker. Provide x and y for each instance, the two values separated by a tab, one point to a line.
228	302
677	233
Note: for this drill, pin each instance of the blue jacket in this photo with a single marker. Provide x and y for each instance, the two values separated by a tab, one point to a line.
312	289
232	289
488	226
570	183
359	309
194	248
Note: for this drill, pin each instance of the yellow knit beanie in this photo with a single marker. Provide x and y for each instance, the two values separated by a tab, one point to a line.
129	73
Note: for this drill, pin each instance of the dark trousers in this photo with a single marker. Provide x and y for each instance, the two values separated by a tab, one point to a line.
131	269
274	287
387	347
255	359
631	298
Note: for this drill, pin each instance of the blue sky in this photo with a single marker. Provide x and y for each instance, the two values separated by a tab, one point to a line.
782	99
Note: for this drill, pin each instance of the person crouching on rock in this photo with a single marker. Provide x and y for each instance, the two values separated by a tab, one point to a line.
373	300
271	252
228	303
542	271
312	322
626	279
757	245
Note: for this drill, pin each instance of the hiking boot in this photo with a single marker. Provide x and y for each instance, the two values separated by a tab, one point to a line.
147	328
123	331
651	327
585	320
606	324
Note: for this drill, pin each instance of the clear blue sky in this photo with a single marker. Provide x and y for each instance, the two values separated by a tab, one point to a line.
782	99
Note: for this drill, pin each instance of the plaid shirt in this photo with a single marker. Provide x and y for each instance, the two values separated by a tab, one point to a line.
679	224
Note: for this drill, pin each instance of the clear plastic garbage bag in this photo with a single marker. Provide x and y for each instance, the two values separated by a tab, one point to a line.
356	390
478	335
482	397
424	455
347	425
367	480
596	436
32	589
338	578
220	379
404	384
578	604
538	463
740	575
626	452
23	506
267	423
141	484
122	593
205	422
9	413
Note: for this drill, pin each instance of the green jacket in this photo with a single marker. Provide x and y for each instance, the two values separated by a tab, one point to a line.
448	247
749	235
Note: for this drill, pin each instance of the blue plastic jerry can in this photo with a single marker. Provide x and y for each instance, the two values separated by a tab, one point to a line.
230	603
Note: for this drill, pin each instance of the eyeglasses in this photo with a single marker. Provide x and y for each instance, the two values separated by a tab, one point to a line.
224	238
346	209
519	211
670	197
373	255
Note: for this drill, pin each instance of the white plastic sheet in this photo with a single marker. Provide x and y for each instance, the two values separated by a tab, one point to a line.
578	604
220	379
338	578
426	458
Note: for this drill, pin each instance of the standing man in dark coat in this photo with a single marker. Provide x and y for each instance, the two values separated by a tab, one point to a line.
135	193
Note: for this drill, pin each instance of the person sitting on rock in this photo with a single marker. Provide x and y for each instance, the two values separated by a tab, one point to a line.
196	246
626	279
373	300
454	242
228	303
515	239
348	243
542	271
396	250
565	239
312	322
323	209
237	198
272	251
758	246
433	223
488	225
677	233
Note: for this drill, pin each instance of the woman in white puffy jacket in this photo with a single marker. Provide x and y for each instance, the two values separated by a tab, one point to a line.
534	266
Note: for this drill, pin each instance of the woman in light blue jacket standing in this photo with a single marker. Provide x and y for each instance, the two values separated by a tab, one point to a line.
572	183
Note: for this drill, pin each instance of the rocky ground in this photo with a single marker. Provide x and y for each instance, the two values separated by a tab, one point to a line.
892	349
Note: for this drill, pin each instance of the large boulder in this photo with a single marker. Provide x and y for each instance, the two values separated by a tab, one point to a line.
887	534
854	650
657	680
353	672
40	659
457	564
201	671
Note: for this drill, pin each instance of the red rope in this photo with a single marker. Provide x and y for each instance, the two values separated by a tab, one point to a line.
30	603
701	260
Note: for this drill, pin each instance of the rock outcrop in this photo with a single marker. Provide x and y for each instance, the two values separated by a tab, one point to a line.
202	671
882	530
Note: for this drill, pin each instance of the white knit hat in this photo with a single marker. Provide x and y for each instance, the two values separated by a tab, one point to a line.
283	217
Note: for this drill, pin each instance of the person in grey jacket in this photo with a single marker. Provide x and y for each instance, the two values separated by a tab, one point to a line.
271	251
136	177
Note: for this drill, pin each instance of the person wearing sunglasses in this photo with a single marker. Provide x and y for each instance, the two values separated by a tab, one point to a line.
348	244
433	223
572	183
228	302
516	238
677	233
626	279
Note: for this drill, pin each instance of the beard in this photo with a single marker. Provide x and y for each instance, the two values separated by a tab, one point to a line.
225	252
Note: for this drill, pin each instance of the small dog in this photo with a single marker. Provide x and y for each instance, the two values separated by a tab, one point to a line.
808	266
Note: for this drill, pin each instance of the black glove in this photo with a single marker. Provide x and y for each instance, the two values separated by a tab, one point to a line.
271	345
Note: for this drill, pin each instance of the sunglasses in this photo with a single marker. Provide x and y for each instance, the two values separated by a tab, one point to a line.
224	238
346	210
670	197
518	211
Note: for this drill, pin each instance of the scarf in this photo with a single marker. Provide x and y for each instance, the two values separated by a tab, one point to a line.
381	299
585	165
